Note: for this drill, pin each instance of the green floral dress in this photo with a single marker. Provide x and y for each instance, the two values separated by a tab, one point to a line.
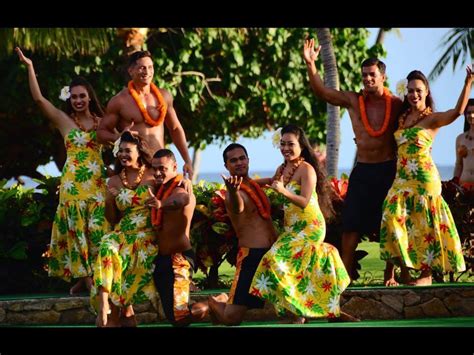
301	273
417	225
124	266
79	223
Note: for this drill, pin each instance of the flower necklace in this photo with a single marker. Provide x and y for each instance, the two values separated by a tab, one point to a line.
386	120
81	127
138	179
287	179
162	194
162	107
421	115
261	201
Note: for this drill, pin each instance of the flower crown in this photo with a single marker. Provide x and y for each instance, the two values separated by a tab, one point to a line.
276	138
65	93
402	88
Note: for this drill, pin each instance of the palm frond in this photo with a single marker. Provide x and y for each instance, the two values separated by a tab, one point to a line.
459	47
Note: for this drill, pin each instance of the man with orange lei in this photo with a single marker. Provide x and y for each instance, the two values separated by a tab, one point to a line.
172	212
146	108
373	115
249	210
464	167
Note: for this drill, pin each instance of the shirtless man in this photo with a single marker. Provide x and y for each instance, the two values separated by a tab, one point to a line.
464	168
172	212
144	107
251	219
373	115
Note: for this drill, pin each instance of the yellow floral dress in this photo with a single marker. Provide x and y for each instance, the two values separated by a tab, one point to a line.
79	223
124	266
417	225
301	273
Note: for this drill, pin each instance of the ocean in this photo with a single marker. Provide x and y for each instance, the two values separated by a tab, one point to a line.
446	173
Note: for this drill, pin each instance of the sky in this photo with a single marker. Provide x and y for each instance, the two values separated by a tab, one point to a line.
415	48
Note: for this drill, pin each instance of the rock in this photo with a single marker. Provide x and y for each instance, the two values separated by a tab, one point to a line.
396	302
435	308
69	304
77	316
146	317
2	315
411	298
459	306
369	309
413	312
32	317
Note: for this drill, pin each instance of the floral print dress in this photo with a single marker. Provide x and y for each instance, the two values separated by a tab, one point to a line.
79	223
417	226
124	266
301	273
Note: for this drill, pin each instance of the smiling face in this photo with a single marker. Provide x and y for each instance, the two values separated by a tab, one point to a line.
80	98
142	71
417	93
290	147
128	154
237	162
164	169
469	114
372	79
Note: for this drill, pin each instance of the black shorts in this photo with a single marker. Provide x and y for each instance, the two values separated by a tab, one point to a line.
248	260
164	277
368	186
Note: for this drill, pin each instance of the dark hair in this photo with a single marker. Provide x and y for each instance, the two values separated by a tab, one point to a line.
144	157
418	75
233	146
323	188
94	105
161	153
132	60
470	102
374	61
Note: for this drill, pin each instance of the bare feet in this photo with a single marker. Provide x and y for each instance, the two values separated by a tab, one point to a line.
199	311
223	297
343	317
78	287
128	322
423	280
193	287
102	316
391	282
82	285
299	320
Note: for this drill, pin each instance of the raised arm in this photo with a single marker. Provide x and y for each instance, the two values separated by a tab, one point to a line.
177	134
59	118
440	119
334	97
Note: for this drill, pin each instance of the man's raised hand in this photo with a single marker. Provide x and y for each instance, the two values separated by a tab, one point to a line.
232	183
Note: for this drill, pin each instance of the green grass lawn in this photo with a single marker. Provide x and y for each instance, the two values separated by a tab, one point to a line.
371	272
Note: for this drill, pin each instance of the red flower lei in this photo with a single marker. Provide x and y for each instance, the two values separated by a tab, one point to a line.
261	201
162	194
162	107
365	121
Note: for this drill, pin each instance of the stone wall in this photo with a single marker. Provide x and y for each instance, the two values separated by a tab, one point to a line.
367	303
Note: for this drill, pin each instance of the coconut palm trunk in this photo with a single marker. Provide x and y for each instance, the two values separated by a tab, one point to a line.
331	79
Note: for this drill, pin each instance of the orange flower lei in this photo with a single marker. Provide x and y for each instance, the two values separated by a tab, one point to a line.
162	107
261	201
365	121
162	194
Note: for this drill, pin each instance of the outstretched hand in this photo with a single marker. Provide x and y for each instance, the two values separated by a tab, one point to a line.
309	53
22	57
277	185
469	73
129	129
152	201
232	183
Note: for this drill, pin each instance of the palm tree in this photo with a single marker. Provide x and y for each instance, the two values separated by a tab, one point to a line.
331	79
459	45
56	41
